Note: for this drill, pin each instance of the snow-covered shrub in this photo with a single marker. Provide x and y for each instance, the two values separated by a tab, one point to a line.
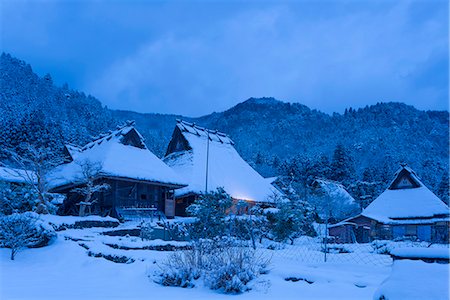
18	231
381	247
16	198
181	269
233	267
39	161
177	231
225	264
289	220
146	231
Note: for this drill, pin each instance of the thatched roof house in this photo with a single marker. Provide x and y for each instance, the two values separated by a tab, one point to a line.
206	160
407	208
138	179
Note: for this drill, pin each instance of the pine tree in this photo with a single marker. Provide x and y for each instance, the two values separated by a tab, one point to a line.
342	168
443	188
210	210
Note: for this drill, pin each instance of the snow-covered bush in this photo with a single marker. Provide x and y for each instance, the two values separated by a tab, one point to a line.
19	231
177	231
386	246
233	267
210	210
38	163
248	227
146	231
181	269
289	220
381	246
225	264
16	199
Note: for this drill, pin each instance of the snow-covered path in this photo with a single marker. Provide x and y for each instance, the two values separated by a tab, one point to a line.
63	270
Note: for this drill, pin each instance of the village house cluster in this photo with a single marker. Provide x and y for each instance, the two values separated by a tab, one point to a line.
199	160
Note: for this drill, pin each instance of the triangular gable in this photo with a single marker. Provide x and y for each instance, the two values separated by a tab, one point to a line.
405	178
125	134
133	138
69	152
178	142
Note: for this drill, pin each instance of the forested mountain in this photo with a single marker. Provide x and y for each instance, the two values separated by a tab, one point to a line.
365	144
33	109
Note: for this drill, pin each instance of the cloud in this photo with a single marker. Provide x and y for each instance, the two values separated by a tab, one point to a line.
348	59
174	57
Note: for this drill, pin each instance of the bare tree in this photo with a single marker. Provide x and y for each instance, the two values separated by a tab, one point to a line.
35	167
89	174
19	231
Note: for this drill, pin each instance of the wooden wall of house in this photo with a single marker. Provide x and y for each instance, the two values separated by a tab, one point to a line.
121	193
136	194
181	203
344	233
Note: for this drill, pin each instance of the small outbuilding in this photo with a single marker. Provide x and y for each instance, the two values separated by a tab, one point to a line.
406	209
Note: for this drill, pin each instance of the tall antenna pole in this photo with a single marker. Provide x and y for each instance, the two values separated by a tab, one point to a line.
207	160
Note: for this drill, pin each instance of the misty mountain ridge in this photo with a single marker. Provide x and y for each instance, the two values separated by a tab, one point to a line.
267	132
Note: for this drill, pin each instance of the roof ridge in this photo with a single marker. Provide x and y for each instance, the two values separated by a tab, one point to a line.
120	130
184	126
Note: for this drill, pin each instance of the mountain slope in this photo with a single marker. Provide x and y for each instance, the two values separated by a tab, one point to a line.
266	131
385	133
34	110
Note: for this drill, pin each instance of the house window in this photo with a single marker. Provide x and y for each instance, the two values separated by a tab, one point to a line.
411	230
143	197
424	233
398	231
385	231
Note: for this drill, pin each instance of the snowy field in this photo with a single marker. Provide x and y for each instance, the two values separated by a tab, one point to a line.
64	270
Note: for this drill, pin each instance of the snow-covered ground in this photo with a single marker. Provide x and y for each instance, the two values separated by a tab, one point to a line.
64	270
416	280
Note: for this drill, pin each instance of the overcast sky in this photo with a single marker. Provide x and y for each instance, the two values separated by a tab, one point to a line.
196	57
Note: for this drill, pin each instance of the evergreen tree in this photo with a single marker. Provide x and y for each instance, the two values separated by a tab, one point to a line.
342	168
259	159
210	210
443	189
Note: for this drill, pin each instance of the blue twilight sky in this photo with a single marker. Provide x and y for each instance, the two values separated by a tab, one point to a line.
196	57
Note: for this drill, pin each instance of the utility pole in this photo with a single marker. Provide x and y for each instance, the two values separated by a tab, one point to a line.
207	160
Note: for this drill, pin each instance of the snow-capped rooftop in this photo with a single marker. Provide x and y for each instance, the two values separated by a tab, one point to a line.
15	175
406	197
226	168
335	190
121	153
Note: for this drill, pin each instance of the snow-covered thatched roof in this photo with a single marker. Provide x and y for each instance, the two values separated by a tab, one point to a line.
406	198
12	175
122	154
187	156
334	190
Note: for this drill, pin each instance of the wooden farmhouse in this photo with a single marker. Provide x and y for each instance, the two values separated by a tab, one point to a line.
207	160
135	178
406	209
